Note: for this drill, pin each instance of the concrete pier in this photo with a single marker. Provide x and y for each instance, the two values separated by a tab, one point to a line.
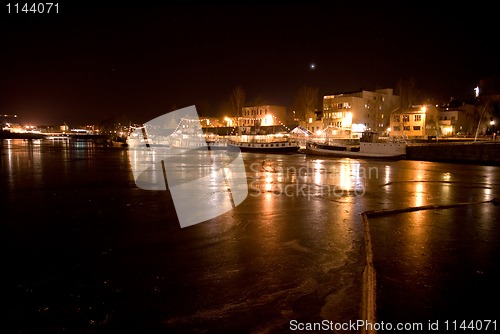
487	153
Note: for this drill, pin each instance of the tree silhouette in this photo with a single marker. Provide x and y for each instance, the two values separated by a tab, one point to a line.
407	90
237	101
306	102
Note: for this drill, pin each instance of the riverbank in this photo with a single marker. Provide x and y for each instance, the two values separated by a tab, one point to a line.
454	151
21	135
41	135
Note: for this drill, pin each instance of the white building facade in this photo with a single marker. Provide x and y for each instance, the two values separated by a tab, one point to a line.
350	114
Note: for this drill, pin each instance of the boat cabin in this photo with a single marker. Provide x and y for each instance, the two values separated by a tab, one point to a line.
369	137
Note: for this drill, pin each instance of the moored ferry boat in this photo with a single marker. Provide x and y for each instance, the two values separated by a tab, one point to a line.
189	142
264	144
215	142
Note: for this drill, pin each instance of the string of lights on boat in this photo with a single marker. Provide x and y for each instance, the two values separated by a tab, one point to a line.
207	121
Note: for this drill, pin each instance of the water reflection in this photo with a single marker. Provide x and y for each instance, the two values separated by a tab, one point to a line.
409	183
419	194
26	163
294	246
309	177
446	177
23	164
387	174
418	232
415	183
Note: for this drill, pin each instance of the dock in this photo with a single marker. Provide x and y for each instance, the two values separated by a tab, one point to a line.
479	152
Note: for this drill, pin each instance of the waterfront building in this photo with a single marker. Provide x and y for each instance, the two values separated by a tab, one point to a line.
313	122
415	122
263	115
457	117
350	114
12	127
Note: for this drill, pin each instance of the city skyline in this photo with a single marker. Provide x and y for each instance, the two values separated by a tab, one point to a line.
88	63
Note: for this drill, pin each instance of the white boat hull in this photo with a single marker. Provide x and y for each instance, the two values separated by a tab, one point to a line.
270	147
366	150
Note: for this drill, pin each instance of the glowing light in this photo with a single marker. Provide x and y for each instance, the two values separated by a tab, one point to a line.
447	130
358	127
347	120
268	120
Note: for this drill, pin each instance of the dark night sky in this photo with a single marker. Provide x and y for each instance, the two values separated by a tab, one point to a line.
137	62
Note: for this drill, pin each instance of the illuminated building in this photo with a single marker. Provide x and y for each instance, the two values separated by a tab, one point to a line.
414	122
264	115
349	114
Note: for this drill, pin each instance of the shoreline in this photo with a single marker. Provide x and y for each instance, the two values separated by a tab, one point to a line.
481	152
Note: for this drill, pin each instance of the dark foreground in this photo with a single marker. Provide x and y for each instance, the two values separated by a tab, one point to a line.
86	251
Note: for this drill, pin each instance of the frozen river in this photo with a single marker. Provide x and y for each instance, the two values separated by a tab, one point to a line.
84	249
